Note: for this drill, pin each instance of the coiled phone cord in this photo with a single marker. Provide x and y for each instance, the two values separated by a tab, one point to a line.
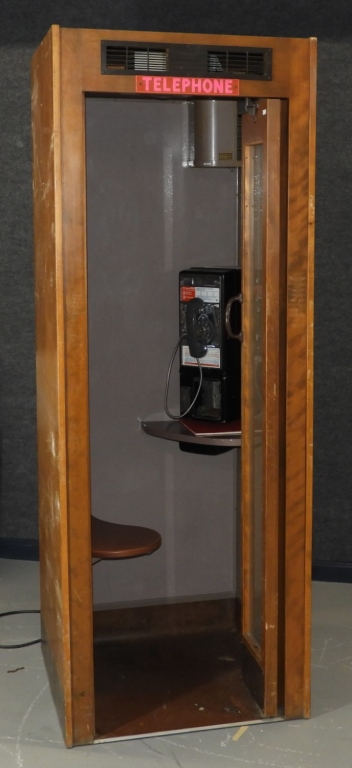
167	385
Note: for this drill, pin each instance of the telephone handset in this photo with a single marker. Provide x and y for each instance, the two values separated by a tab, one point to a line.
210	355
200	327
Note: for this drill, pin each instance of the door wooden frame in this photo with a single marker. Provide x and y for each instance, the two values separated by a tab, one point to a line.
66	67
267	128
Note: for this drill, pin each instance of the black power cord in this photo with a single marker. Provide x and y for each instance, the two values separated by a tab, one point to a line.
20	645
16	613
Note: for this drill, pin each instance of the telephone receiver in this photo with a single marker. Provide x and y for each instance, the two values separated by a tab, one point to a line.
201	328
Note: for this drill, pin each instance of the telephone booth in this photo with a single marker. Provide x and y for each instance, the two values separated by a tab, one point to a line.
175	561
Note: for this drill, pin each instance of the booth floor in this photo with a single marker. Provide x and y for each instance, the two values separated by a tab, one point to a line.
30	735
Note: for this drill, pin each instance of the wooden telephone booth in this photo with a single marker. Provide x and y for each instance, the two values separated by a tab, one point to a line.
212	627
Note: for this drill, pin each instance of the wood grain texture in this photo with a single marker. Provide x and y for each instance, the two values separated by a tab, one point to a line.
306	672
76	395
273	397
264	130
302	119
62	432
282	405
95	82
50	367
66	67
165	619
113	541
167	683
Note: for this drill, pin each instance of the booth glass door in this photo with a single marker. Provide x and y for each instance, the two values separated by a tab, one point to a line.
263	396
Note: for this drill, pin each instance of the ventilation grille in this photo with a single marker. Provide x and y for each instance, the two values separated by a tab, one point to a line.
186	60
130	59
238	62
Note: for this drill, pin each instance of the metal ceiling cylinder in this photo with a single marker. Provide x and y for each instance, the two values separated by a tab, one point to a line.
215	133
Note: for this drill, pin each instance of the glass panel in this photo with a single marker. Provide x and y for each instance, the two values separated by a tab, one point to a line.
256	386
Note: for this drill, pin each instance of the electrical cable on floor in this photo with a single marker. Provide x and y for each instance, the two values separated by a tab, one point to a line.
16	613
20	645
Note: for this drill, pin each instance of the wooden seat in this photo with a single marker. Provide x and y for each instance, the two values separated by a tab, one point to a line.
114	541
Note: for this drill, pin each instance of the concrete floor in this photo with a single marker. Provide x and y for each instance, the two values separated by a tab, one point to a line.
30	735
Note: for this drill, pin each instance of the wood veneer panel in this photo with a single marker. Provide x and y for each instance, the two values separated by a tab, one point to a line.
88	42
165	619
64	456
265	130
273	397
50	366
299	378
59	174
116	541
282	408
80	74
77	408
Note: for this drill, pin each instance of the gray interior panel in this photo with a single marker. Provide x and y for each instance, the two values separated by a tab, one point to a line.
149	216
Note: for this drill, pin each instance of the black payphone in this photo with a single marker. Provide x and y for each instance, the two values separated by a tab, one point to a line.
210	355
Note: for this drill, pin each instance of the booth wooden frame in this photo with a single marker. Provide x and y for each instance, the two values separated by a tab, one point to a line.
66	67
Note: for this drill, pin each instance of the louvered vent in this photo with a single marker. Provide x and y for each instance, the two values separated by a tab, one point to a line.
241	62
185	60
129	59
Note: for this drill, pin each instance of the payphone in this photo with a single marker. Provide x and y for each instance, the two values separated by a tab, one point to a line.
209	335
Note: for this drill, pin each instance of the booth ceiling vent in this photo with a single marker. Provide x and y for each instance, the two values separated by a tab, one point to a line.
241	62
130	59
179	60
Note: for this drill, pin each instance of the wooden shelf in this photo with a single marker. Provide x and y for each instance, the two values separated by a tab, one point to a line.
114	541
174	430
